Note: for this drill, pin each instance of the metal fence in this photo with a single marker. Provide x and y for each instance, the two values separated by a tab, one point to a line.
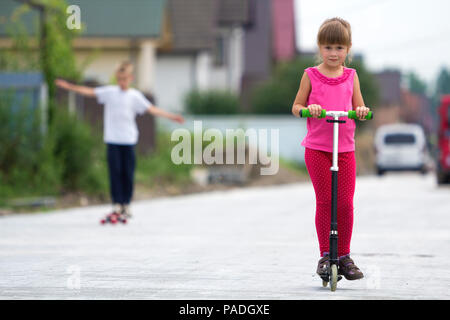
25	89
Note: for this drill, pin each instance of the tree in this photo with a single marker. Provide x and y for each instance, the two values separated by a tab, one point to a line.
277	94
55	45
369	87
443	82
442	87
415	84
58	59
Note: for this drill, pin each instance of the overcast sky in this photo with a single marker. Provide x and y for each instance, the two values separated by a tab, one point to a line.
403	34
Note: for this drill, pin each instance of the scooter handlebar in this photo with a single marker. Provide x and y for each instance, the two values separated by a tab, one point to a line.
304	113
352	115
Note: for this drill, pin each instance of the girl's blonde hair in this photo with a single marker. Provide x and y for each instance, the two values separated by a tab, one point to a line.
335	31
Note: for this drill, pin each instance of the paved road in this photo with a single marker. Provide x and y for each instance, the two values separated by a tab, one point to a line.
257	243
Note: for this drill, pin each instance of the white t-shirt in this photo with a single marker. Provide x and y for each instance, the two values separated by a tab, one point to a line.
121	107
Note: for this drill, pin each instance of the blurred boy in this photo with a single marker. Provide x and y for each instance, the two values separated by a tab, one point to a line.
122	104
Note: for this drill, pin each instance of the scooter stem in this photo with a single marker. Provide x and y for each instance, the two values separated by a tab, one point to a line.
335	144
334	185
336	115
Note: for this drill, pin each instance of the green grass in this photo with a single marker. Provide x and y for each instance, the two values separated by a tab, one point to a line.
293	165
157	168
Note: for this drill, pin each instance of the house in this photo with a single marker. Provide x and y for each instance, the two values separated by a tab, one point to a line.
417	109
223	44
178	45
388	110
205	52
122	30
269	38
398	104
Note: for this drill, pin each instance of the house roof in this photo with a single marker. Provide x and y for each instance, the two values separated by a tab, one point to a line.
233	12
117	18
192	23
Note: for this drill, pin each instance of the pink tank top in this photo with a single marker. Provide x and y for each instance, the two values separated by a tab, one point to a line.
332	94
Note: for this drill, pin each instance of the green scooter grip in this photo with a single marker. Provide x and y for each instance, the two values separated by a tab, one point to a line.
352	115
304	113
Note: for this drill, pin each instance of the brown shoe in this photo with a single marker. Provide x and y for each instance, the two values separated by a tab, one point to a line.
348	269
323	268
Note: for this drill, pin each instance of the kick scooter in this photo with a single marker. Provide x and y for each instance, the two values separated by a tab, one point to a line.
332	272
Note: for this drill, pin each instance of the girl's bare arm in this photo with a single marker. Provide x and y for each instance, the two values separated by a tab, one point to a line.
302	95
358	101
85	91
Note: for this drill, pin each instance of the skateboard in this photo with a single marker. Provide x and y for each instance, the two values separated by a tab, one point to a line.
114	218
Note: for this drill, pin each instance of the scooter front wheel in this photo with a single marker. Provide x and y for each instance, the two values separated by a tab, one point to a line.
333	277
324	283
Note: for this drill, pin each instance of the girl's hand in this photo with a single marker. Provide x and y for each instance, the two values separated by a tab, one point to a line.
178	118
315	110
361	112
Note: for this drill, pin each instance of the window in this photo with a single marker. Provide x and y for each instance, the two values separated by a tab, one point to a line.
219	51
400	138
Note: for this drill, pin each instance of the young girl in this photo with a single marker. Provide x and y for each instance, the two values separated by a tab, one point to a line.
122	104
332	86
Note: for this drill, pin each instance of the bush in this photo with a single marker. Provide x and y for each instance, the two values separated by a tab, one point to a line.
27	165
68	158
272	98
212	102
158	167
277	95
80	153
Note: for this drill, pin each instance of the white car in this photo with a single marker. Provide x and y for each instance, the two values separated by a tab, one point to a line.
400	147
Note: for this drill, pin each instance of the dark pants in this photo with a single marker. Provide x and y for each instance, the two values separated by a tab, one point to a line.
121	164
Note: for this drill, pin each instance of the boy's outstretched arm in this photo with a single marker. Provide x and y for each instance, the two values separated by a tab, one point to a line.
83	90
157	112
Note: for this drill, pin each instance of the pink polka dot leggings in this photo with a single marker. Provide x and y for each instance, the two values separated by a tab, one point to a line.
318	164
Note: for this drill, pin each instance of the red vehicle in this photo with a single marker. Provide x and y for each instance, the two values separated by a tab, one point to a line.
443	167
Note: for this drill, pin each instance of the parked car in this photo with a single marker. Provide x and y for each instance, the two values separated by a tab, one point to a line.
400	147
443	160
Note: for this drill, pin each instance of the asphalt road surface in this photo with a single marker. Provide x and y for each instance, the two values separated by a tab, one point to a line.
256	243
